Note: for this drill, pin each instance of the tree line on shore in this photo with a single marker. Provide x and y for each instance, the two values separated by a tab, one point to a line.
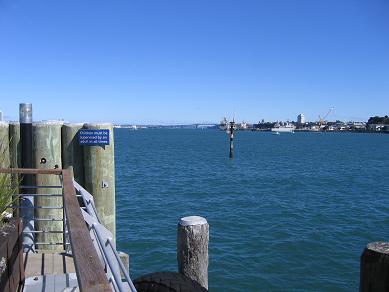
379	120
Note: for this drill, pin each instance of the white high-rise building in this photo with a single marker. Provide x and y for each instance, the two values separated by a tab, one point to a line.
301	119
1	116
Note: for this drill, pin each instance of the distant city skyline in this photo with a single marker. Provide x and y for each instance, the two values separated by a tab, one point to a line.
182	62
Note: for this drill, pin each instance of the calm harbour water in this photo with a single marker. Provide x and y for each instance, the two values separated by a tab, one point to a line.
290	212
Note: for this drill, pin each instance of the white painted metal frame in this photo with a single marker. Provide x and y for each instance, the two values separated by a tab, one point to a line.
104	244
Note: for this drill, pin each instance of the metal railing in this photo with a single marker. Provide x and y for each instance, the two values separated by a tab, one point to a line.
106	247
91	245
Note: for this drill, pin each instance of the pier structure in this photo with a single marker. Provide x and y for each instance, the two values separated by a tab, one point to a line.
52	145
15	156
65	177
88	260
4	149
99	172
72	152
47	155
26	202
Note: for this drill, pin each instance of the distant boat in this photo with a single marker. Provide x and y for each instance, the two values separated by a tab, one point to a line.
286	128
133	128
276	133
223	124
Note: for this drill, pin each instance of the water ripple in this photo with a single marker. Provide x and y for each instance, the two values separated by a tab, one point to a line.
290	212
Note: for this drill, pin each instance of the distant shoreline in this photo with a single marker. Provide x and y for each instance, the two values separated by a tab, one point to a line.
215	128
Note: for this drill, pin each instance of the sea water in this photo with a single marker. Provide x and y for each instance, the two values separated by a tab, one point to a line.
289	212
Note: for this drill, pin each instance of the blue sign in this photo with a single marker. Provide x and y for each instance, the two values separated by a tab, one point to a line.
89	137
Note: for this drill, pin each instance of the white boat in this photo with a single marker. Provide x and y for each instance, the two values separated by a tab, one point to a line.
223	124
276	133
285	128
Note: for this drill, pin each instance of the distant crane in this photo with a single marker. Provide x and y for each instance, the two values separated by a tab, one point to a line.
322	119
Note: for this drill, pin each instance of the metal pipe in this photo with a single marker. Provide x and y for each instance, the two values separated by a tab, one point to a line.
25	118
117	277
39	187
49	243
35	207
38	195
48	231
46	219
124	271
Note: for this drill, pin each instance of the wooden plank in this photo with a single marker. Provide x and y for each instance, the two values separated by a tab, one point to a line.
13	258
20	255
48	264
90	272
4	276
9	251
31	171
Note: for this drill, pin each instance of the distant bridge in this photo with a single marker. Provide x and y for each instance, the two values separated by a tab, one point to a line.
205	125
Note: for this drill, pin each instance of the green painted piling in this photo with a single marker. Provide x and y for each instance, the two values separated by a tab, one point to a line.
99	164
72	152
47	155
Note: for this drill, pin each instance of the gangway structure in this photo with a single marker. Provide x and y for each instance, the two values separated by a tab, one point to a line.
88	260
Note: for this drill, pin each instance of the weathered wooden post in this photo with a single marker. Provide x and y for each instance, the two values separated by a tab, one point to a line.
14	144
26	158
374	272
4	148
99	164
72	152
14	155
47	155
192	248
4	145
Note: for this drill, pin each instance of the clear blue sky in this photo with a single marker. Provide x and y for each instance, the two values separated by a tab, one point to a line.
184	61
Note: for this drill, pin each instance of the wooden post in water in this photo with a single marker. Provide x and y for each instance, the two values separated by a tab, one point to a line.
47	155
192	248
99	164
72	152
232	125
374	272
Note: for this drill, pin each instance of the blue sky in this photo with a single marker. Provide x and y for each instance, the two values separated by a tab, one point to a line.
184	61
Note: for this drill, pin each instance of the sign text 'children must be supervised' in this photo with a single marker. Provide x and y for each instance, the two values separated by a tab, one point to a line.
89	137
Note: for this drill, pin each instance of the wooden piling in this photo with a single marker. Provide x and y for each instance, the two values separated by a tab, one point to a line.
192	248
47	155
99	165
72	152
4	145
374	270
15	157
14	144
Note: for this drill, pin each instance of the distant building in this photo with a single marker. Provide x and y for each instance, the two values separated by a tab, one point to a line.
1	116
301	119
376	127
356	125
